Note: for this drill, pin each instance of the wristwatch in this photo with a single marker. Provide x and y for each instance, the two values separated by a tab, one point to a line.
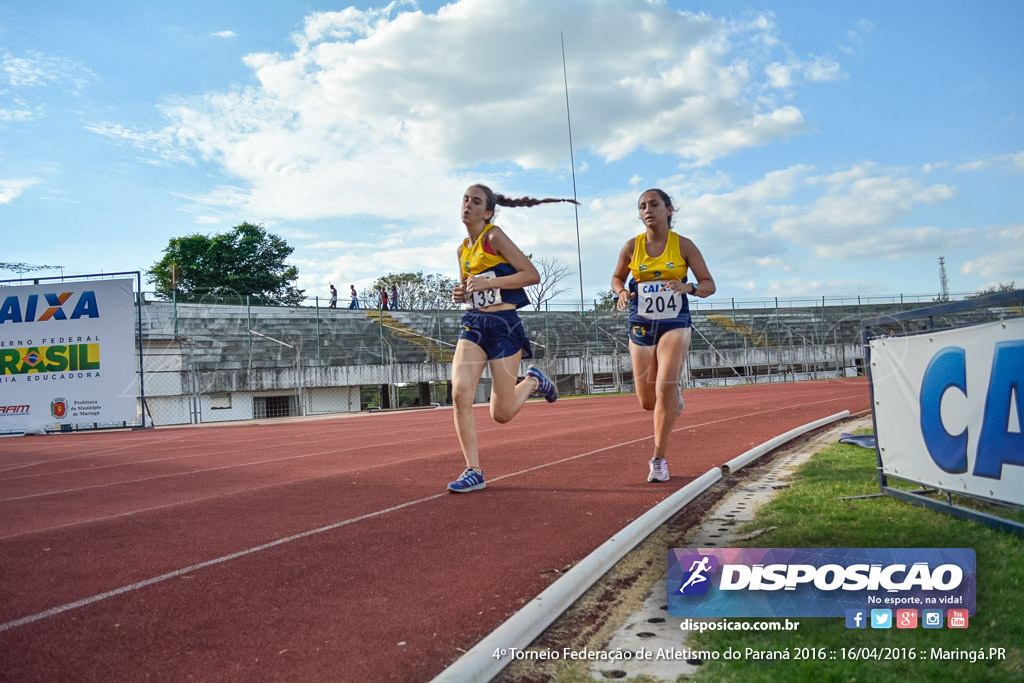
693	291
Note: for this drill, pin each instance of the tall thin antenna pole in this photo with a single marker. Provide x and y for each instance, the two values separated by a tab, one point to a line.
572	166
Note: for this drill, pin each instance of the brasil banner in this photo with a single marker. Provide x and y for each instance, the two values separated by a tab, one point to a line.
67	355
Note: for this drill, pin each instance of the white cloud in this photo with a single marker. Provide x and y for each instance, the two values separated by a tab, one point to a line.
1001	266
224	34
1013	231
821	69
857	203
11	189
817	69
897	243
1004	162
1004	255
798	287
159	143
14	115
855	37
402	99
779	75
33	70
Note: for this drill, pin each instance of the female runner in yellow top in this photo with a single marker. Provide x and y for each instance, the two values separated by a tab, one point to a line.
493	272
665	268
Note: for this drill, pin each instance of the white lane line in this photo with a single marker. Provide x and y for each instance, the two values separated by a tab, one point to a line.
330	527
335	451
209	563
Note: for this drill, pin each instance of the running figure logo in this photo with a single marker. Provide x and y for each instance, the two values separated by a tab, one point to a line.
696	581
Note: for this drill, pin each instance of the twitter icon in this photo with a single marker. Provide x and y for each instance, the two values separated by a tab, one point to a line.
881	618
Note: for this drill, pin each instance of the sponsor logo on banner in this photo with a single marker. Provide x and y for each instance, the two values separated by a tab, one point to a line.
15	410
818	582
48	306
54	338
59	408
949	409
56	358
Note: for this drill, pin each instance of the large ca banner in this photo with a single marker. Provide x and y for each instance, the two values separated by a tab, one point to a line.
67	353
949	408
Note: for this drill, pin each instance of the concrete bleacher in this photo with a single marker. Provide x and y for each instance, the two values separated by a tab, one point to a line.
214	362
219	335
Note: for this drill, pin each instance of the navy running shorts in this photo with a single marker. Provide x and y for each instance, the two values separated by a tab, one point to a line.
643	332
499	334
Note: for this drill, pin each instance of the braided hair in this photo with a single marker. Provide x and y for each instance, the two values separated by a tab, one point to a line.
495	200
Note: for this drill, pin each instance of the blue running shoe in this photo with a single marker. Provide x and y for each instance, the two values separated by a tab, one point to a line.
545	387
470	480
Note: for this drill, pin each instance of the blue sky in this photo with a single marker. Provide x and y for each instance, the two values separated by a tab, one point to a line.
812	149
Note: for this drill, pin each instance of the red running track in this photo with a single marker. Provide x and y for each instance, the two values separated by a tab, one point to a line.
327	550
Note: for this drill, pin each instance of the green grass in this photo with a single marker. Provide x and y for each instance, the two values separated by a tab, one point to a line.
811	514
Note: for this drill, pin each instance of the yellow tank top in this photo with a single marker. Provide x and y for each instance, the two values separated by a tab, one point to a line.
477	258
669	266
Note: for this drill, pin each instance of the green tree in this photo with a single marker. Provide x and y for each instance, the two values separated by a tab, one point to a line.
248	260
605	301
994	289
416	291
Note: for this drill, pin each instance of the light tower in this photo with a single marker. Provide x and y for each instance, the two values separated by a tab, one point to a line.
943	281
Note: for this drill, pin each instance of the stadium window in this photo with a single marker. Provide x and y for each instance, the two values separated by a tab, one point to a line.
220	401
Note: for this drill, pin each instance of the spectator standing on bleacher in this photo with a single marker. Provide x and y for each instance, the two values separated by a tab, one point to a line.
665	268
334	297
383	298
354	303
394	298
492	275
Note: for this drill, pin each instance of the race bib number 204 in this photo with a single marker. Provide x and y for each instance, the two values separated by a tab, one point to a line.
656	301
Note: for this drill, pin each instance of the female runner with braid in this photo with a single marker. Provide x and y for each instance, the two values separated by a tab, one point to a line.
493	273
659	314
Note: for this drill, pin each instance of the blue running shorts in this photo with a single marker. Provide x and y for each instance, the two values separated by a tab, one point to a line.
643	332
499	334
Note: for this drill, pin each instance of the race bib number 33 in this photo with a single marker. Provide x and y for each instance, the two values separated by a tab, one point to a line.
483	299
657	302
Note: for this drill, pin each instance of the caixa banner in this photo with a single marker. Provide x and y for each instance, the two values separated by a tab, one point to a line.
949	411
817	582
67	355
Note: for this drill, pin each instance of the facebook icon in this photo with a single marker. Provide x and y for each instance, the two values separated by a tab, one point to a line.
856	618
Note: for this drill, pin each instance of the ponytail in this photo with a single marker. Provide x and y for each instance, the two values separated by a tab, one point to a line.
494	200
502	200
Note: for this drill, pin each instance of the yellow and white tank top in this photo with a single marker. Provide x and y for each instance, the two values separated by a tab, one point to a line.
654	300
670	265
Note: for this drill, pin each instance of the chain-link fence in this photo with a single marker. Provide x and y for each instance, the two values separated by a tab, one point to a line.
232	359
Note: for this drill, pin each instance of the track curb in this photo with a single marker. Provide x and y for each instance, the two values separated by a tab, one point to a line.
519	630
